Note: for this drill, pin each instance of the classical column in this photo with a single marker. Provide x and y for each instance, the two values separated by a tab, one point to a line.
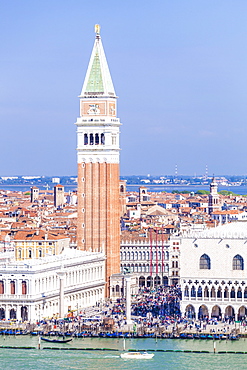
61	293
128	299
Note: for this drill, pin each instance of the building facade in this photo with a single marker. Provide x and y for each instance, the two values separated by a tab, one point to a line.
213	272
59	198
98	163
30	289
30	244
150	261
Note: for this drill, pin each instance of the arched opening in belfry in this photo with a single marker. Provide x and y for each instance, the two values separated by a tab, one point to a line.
85	139
96	139
91	138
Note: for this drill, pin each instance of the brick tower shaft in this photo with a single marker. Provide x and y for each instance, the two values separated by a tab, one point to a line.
98	149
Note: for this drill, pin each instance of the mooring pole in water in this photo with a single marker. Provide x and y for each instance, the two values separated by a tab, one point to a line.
214	346
39	346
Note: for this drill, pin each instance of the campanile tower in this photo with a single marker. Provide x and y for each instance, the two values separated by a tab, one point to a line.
98	149
213	197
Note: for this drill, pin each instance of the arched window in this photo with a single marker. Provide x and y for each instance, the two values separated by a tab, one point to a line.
199	292
232	294
40	252
96	139
85	139
102	137
238	263
205	263
12	287
186	291
1	287
212	293
226	293
239	293
30	253
91	139
206	292
219	293
245	293
193	291
24	287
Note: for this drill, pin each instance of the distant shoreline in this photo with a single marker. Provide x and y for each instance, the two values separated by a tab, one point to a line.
241	190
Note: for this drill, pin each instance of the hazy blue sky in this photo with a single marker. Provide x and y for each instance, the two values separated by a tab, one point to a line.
179	68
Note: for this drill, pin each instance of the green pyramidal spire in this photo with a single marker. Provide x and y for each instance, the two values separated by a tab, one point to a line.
98	80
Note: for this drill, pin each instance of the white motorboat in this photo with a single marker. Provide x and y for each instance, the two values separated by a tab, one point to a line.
137	355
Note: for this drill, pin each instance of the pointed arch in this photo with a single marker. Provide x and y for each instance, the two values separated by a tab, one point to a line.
239	293
219	293
193	292
186	291
206	292
238	262
233	293
205	262
199	292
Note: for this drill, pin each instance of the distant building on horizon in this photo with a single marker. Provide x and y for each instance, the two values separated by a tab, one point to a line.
34	194
59	198
213	197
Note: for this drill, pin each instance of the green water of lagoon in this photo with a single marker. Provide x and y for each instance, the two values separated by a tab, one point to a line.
34	359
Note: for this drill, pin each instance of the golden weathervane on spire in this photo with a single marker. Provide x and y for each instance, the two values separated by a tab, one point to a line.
97	29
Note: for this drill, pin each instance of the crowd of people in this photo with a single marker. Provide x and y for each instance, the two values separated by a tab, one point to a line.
152	310
158	303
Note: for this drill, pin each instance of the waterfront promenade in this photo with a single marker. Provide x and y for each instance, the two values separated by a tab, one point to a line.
154	314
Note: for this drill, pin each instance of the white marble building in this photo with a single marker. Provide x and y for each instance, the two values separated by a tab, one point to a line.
214	272
30	289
